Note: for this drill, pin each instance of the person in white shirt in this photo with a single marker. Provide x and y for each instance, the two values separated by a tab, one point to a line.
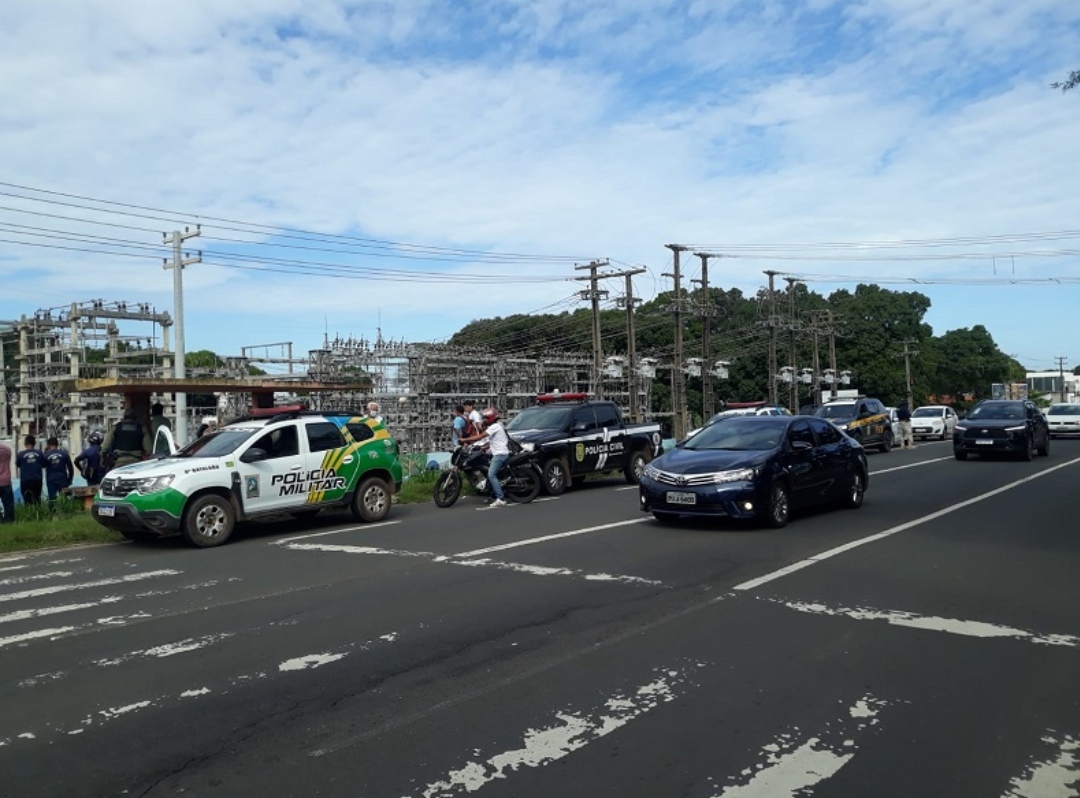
473	414
498	445
373	411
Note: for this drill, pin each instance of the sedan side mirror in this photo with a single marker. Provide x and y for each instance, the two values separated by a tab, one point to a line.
801	446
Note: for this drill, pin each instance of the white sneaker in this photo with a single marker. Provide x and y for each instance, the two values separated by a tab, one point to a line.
498	503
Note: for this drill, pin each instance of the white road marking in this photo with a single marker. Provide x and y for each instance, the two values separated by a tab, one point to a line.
14	568
309	661
1053	778
790	767
825	555
458	559
626	487
934	623
291	538
545	538
195	693
22	580
166	649
38	633
572	732
910	465
46	591
23	615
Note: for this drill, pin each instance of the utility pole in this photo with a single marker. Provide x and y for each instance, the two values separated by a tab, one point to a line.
631	347
678	378
706	312
793	396
1061	375
177	240
773	365
594	294
907	355
832	354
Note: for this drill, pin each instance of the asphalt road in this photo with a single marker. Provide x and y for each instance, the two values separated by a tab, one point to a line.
925	645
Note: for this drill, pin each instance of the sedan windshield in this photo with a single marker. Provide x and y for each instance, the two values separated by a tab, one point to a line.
217	444
927	412
1064	410
541	418
741	434
997	410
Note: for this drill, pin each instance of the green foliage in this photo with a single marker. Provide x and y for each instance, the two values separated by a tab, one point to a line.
1070	82
42	526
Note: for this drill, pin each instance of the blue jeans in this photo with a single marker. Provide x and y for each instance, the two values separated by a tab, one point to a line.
493	474
7	501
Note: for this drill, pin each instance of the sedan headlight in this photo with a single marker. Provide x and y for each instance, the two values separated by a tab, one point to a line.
844	427
154	484
651	471
739	475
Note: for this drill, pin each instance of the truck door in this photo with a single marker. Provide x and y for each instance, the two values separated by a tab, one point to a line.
585	436
612	444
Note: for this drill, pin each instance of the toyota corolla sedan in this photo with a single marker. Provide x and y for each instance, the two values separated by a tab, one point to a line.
756	467
1002	426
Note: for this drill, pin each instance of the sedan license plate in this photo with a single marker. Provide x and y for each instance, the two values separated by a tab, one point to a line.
984	443
674	497
106	510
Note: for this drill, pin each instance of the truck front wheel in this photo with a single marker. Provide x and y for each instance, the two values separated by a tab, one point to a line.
556	476
635	467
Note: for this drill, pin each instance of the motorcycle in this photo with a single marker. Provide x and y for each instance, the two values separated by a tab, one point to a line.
519	476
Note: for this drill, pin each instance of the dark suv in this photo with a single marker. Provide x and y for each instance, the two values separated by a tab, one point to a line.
1002	426
864	419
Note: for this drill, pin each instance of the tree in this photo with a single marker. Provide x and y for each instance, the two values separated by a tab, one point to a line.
1070	83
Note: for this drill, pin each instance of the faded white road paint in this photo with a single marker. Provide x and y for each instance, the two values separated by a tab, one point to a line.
546	538
195	693
310	661
910	465
166	649
792	764
573	731
119	580
37	633
825	555
934	623
23	615
363	528
456	559
22	580
1057	777
13	567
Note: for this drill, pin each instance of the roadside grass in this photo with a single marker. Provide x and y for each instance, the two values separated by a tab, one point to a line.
67	524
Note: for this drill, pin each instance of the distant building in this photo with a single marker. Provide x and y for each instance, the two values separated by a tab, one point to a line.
1048	385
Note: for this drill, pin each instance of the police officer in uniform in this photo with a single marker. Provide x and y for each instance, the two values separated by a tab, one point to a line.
128	442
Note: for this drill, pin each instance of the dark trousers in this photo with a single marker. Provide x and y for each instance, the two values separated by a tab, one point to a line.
7	502
54	489
31	491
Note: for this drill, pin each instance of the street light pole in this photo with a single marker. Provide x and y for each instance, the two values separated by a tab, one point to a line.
177	240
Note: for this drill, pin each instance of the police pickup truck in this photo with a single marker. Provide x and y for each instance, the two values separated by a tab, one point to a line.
295	463
576	436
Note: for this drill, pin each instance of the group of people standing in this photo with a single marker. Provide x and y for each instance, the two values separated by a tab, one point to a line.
51	469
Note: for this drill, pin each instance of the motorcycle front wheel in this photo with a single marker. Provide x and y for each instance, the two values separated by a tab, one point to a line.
523	485
447	488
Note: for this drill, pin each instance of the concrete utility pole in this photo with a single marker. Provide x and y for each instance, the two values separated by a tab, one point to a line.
177	240
793	395
907	355
678	377
773	365
706	311
1061	375
832	354
594	294
631	347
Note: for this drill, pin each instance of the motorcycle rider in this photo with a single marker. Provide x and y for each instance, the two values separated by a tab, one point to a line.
498	445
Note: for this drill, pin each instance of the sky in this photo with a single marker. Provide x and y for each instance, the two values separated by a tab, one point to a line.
362	168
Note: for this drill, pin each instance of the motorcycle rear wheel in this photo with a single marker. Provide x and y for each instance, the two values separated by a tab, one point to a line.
523	485
447	488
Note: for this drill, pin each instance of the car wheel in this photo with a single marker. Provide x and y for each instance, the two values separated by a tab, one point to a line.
208	521
372	500
778	508
1044	450
886	443
666	518
959	455
636	467
556	476
856	490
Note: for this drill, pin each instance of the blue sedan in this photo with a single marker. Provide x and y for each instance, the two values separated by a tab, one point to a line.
756	467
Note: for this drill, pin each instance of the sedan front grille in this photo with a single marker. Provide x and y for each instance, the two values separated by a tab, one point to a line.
117	487
682	480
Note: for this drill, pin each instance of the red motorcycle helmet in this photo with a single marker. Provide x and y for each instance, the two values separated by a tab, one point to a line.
490	415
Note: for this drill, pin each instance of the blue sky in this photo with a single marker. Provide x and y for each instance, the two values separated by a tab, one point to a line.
429	163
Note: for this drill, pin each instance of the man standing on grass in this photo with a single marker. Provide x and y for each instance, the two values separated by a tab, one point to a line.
59	471
7	493
29	464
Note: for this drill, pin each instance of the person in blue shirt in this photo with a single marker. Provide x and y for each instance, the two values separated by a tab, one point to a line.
457	432
29	464
89	460
59	471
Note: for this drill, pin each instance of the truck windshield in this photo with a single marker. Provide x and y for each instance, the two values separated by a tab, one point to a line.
836	411
541	418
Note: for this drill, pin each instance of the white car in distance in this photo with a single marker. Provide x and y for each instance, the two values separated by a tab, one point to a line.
933	421
1063	419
